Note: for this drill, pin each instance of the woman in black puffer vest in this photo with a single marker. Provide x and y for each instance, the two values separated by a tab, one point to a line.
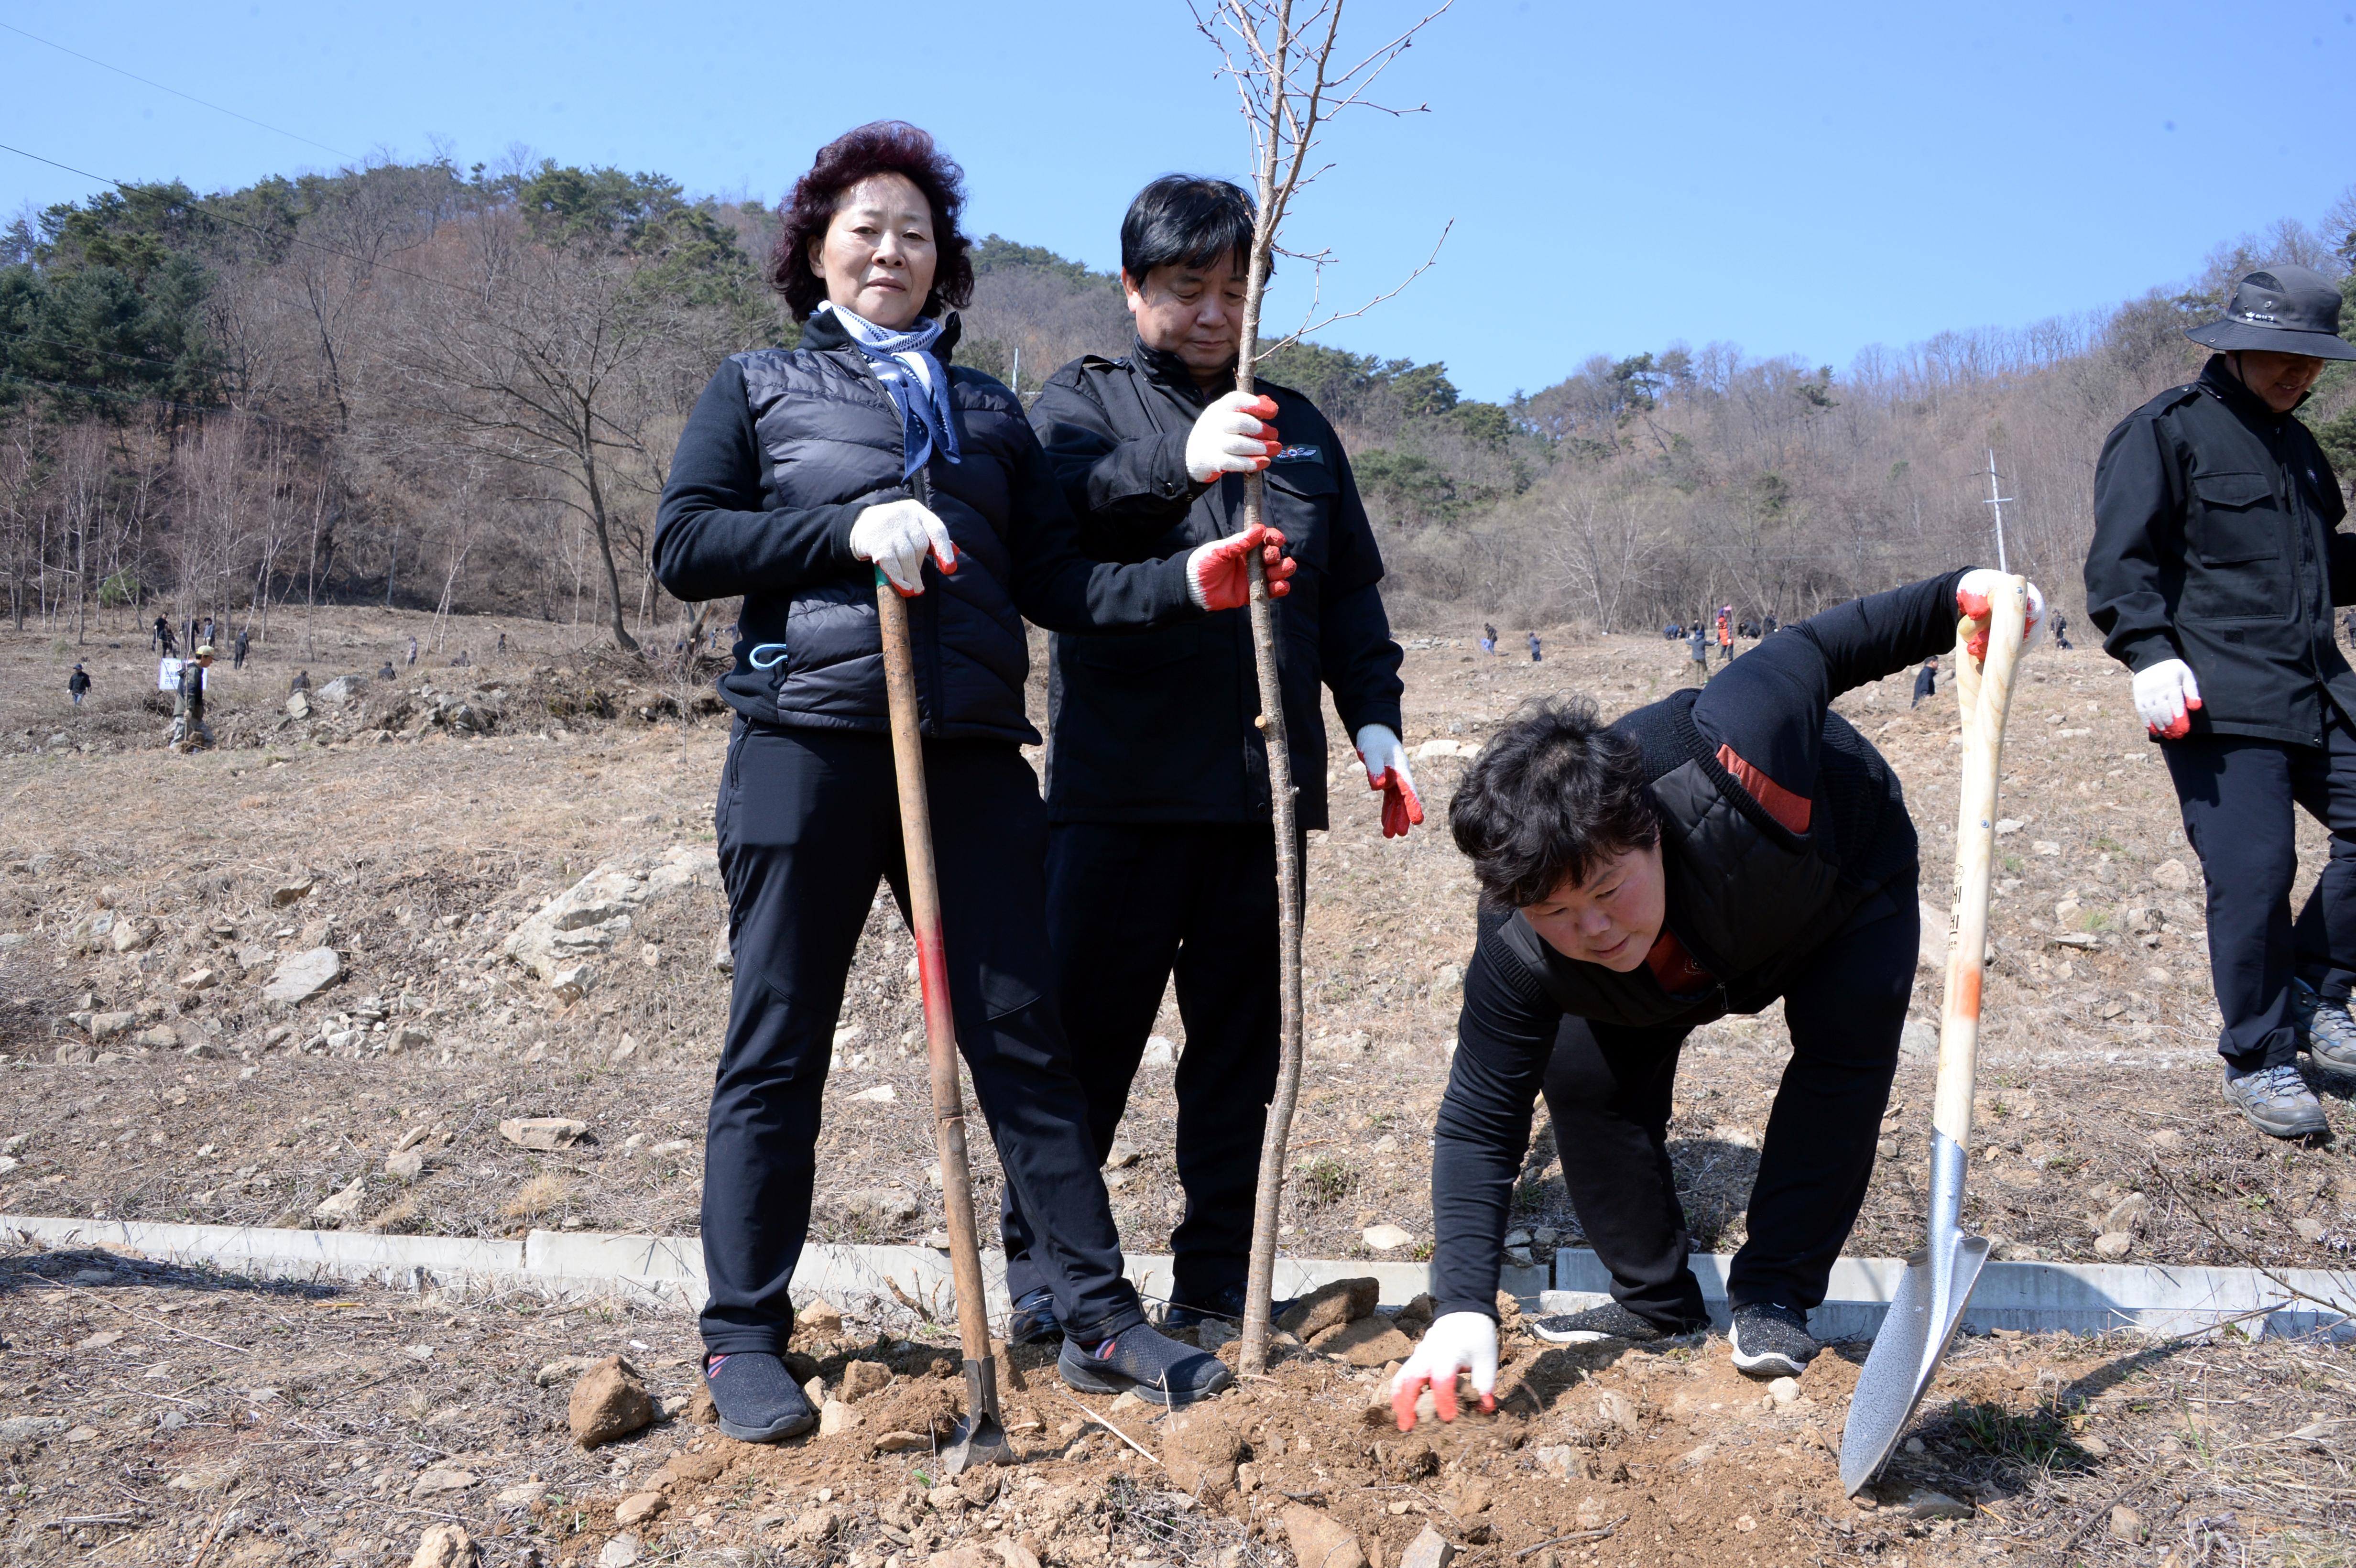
801	474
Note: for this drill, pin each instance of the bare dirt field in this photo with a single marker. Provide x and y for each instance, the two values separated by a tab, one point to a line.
415	829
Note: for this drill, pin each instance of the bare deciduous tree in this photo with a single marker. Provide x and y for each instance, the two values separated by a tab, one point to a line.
1291	82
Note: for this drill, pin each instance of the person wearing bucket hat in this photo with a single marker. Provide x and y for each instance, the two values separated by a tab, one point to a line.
2216	563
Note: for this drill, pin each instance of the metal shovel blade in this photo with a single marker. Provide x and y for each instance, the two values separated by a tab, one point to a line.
981	1437
1923	1314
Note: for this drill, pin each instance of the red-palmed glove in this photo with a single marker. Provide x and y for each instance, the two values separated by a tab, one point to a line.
897	536
1232	437
1456	1342
1385	762
2165	696
1972	601
1218	574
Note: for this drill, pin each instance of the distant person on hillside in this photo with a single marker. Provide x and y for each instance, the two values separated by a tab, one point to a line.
1488	644
160	640
1707	854
1770	624
387	673
1726	635
413	650
503	643
460	660
1536	653
237	653
2216	556
1490	633
1927	682
802	475
2060	630
189	733
1673	631
78	684
1698	647
1161	776
302	682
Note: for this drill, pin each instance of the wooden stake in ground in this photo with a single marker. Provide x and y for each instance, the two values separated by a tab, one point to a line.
1285	71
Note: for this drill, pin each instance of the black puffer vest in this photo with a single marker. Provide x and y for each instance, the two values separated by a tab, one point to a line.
830	433
1751	900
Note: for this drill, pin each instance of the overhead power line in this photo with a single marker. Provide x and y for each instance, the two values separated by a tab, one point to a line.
192	97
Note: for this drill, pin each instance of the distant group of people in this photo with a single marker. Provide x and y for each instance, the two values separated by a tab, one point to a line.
1489	643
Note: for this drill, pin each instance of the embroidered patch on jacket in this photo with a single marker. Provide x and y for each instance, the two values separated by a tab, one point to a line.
1296	455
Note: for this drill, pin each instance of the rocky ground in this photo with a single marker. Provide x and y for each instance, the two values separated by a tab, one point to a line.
149	903
305	979
156	1415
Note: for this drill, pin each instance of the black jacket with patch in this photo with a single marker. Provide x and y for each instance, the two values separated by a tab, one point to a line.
2217	541
1781	826
786	448
1159	728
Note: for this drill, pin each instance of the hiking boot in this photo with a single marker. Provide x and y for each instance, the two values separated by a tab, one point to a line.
2327	1031
1609	1321
1155	1368
1226	1305
756	1397
1032	1321
2276	1101
1771	1341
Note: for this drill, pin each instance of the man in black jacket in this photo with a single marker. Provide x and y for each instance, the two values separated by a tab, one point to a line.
1704	855
1162	858
2217	560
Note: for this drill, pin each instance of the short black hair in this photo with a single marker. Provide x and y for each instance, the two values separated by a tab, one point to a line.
1554	794
1185	220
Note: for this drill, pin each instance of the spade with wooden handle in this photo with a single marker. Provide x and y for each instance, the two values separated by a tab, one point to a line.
980	1438
1929	1301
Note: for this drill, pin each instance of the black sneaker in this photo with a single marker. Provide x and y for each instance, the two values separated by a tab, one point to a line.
1226	1305
1771	1341
756	1397
1609	1321
1155	1368
1032	1321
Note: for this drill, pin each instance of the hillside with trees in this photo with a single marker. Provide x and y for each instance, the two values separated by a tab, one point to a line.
447	390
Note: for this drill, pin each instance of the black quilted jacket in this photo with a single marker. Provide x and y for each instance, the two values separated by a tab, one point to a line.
785	447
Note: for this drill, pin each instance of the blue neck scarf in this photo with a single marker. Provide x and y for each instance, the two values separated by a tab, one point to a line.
903	362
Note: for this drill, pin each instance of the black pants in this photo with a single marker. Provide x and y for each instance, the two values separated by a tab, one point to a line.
1129	905
807	821
2236	794
1608	1090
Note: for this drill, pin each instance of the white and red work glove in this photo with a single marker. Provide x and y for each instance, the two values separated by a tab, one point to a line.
1385	760
897	536
1218	574
1232	437
2165	696
1972	600
1456	1342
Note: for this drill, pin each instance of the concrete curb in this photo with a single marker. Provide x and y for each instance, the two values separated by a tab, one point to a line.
667	1272
2167	1300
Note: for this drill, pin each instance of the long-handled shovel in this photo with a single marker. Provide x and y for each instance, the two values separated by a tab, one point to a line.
981	1437
1938	1281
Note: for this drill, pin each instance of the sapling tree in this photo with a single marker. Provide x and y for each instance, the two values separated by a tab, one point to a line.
1292	78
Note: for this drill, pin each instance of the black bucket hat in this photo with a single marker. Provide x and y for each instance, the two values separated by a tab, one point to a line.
2283	310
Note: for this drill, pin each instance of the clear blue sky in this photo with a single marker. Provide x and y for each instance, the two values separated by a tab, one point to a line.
1802	180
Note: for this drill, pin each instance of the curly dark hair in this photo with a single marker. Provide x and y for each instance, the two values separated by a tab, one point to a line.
884	147
1554	794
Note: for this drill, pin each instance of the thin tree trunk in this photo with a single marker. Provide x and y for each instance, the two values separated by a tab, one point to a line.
622	638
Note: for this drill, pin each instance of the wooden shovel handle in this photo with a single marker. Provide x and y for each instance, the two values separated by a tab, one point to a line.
932	969
1985	690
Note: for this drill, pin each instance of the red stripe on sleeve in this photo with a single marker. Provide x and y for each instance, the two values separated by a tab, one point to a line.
1793	811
